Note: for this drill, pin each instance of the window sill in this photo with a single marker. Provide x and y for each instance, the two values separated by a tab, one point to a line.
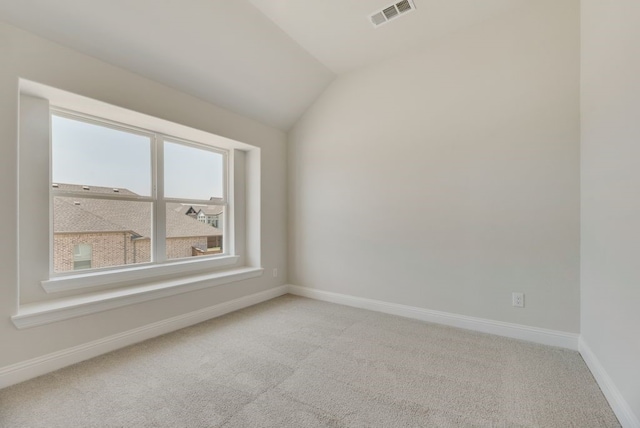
132	274
36	314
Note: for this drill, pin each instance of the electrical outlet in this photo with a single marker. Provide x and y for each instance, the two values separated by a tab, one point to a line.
517	300
275	272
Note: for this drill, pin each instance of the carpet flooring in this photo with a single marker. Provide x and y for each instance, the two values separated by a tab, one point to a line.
296	362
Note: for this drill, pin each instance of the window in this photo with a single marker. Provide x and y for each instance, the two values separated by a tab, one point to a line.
82	256
123	182
122	195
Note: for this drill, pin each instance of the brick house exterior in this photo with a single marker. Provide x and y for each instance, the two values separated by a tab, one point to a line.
108	249
116	233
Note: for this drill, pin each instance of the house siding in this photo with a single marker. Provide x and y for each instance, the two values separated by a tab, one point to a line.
108	249
181	247
117	249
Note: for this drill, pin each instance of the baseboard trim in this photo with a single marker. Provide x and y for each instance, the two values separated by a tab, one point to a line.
515	331
620	406
29	369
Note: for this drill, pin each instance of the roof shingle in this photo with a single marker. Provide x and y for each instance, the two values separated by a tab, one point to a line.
83	215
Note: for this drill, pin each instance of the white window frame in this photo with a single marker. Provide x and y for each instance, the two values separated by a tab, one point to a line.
157	199
162	200
40	300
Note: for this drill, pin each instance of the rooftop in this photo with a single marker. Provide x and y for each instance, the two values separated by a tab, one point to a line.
85	215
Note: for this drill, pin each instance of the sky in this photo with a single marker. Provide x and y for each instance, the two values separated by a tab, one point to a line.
92	155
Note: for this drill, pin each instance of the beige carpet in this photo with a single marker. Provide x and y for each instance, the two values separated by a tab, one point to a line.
295	362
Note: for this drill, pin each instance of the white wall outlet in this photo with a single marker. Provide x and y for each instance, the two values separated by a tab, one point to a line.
275	272
517	300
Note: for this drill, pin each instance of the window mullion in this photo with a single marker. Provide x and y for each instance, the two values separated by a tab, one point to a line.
160	205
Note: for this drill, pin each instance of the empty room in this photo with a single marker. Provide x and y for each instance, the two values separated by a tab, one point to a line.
290	213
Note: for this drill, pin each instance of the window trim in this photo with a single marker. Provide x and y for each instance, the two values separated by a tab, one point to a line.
47	312
115	276
36	307
158	202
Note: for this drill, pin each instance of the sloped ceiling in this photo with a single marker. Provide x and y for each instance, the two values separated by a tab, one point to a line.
265	59
339	33
225	52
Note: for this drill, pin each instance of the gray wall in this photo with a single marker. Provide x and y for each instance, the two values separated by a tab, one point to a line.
610	290
27	56
449	178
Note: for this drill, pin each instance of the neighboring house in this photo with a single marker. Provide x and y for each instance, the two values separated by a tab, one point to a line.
208	214
186	209
95	233
211	215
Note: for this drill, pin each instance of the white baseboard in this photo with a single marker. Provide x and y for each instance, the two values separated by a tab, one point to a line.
25	370
617	402
515	331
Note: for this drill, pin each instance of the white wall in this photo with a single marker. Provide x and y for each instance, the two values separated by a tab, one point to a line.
27	56
610	290
449	178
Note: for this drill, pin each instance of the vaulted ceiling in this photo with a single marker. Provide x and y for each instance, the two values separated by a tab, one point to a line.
340	34
265	59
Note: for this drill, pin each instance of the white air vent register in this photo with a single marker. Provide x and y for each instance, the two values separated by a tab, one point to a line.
391	12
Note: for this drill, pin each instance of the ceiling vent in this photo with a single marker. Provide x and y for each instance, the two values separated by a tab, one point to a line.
391	12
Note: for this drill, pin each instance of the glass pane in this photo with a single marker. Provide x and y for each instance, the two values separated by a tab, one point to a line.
98	233
82	256
103	158
194	230
192	173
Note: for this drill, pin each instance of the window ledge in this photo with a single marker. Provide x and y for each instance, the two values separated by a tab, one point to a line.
35	314
132	274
